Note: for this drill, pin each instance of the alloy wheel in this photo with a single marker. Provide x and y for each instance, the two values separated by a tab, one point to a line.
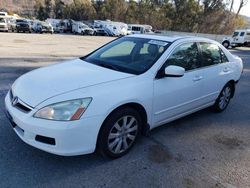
123	134
225	97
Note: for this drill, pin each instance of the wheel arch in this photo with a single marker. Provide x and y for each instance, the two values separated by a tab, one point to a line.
232	83
226	41
139	108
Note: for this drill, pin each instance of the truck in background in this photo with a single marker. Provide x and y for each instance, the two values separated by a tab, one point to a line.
239	38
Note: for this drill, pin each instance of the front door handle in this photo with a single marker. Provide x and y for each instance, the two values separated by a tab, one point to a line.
226	69
197	78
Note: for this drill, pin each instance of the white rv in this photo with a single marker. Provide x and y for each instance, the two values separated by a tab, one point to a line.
139	29
112	28
81	28
3	24
3	14
238	38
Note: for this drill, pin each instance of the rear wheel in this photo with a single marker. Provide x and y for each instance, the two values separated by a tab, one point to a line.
119	132
224	98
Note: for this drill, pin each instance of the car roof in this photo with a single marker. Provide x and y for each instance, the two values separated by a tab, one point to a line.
167	38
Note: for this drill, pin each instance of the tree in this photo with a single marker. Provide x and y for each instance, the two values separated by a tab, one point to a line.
48	9
242	4
79	10
39	10
114	10
205	16
58	9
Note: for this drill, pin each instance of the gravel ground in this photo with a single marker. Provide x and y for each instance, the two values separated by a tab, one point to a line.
201	150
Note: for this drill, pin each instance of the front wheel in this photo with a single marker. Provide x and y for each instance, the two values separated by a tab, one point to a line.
119	132
224	98
226	44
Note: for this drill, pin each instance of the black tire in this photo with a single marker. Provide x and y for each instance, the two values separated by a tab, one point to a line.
224	98
226	44
108	129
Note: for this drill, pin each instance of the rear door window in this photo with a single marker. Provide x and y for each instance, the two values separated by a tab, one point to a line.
211	54
224	58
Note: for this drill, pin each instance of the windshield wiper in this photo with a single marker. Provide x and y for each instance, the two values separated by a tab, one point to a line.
108	66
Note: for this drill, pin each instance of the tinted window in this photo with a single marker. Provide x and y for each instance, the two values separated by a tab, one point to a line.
128	54
121	49
186	56
242	34
223	57
235	34
2	20
211	54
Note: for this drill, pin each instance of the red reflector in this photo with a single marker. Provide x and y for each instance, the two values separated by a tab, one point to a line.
78	114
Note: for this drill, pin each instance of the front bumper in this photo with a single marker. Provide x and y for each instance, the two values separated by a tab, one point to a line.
66	138
4	29
47	30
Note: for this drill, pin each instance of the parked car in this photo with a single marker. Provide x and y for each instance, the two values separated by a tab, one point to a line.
3	25
12	25
43	27
55	23
23	25
239	38
131	85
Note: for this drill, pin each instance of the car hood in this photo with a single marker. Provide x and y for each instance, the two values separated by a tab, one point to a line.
43	83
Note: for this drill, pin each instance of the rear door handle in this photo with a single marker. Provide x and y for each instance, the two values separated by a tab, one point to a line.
197	78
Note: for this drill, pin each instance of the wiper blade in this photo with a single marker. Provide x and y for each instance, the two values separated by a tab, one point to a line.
108	66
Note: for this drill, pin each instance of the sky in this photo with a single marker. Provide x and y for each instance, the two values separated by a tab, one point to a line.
245	10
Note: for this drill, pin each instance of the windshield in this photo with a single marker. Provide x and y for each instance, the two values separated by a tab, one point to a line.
84	26
2	20
128	54
235	34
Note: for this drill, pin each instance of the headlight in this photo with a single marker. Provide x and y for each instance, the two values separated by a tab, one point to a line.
64	111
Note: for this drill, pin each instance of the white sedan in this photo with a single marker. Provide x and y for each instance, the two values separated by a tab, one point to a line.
131	85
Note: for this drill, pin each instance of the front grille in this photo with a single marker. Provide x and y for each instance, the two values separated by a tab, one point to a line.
11	95
19	105
22	107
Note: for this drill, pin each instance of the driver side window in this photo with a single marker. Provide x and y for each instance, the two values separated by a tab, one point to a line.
186	56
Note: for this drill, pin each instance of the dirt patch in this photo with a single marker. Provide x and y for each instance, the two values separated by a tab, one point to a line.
178	158
188	183
218	185
229	142
158	154
20	41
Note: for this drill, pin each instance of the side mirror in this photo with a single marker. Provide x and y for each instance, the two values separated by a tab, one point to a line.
174	71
